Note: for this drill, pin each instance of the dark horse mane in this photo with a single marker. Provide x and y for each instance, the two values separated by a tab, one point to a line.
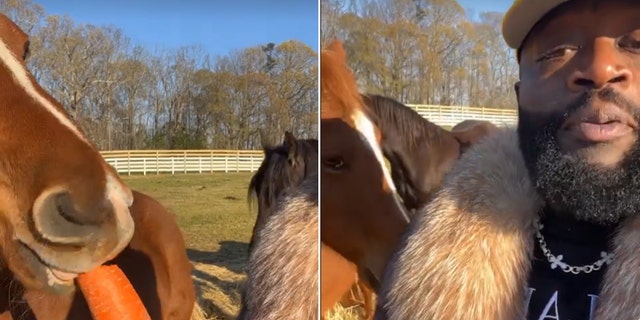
272	179
391	113
418	150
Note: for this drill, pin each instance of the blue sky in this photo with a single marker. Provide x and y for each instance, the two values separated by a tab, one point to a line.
477	6
220	26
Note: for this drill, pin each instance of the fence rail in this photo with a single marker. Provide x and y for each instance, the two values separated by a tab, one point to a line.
201	161
183	161
452	115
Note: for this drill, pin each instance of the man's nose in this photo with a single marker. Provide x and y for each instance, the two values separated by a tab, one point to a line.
603	65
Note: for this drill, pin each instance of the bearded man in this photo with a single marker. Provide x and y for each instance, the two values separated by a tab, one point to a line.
541	222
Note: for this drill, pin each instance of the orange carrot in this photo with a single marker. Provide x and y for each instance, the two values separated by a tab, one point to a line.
110	295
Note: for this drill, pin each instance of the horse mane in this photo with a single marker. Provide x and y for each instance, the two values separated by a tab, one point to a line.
272	178
392	114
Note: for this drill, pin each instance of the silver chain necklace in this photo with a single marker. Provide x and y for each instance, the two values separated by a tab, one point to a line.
556	261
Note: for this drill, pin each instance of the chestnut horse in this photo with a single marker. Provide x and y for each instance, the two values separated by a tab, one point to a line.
158	269
284	166
65	211
282	273
420	152
362	219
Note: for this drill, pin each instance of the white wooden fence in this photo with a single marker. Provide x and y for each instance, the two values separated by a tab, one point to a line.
202	161
183	161
452	115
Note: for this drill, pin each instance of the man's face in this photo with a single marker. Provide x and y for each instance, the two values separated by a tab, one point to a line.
579	100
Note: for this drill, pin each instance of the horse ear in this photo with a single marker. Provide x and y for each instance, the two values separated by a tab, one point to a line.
336	46
292	147
16	40
289	138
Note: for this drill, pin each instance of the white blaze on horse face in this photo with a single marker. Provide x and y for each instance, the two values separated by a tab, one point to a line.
367	129
20	74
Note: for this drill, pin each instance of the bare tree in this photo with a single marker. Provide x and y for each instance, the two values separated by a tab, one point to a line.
424	51
125	97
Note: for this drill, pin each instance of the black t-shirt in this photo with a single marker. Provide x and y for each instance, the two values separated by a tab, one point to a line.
555	294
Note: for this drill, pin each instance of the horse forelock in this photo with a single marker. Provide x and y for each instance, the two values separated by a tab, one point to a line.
25	82
340	95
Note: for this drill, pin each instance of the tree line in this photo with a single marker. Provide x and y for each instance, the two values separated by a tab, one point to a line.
126	97
424	51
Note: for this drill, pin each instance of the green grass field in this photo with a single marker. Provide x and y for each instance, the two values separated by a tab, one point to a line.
210	207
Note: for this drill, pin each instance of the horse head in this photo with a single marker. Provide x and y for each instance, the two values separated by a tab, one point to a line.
64	210
420	152
361	217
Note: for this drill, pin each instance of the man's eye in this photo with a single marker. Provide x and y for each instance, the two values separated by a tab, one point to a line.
557	52
630	43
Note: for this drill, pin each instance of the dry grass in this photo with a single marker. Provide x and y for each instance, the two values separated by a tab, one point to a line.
352	312
341	313
214	216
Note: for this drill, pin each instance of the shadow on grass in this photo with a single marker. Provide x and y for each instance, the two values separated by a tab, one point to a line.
231	255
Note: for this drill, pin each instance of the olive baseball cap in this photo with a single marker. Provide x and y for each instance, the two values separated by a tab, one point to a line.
522	17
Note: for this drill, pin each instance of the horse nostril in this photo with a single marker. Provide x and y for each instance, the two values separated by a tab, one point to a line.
65	208
86	216
58	219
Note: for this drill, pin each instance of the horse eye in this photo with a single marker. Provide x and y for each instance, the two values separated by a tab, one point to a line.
334	163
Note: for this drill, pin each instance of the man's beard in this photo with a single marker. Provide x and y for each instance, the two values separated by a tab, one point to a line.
568	183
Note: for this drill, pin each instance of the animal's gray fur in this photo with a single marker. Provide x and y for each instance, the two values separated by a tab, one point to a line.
282	274
468	254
